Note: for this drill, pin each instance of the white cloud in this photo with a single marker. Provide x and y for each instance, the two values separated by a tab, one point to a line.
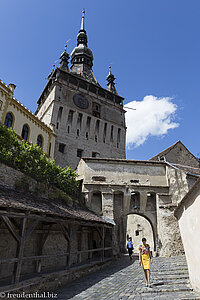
153	117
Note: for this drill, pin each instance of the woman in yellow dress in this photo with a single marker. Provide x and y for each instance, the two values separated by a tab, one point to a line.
145	258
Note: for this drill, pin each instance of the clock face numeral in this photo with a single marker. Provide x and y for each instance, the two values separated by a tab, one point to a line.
80	101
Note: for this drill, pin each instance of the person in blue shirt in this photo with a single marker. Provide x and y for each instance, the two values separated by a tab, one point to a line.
130	247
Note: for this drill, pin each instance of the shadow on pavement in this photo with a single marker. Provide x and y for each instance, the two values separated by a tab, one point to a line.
75	287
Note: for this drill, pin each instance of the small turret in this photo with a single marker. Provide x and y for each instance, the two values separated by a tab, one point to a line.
64	60
111	84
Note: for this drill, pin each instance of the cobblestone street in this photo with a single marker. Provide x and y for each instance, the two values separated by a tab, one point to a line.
125	280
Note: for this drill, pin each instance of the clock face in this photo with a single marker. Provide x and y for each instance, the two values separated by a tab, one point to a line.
80	101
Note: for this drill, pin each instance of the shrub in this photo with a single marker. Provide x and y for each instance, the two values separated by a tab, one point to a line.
30	159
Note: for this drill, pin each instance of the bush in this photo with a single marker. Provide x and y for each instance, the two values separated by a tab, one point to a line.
30	159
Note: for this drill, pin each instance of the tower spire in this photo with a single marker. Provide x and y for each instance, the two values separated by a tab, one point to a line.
111	82
81	56
82	35
83	20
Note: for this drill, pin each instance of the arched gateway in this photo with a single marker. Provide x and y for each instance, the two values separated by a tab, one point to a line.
118	188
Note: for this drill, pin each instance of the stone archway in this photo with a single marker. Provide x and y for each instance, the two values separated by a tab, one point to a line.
141	204
139	226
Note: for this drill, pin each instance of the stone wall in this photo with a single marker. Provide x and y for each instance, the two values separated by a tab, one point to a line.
169	238
188	215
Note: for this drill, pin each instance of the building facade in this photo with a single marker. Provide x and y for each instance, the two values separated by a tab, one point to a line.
121	189
89	120
178	154
25	124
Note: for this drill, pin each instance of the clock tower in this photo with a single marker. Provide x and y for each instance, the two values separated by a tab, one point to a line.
88	119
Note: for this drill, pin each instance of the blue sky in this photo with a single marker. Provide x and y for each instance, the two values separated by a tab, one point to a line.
153	45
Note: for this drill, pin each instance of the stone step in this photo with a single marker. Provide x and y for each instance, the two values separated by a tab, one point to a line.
170	296
166	289
162	282
168	273
171	277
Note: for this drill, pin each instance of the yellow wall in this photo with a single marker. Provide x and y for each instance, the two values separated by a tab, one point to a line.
21	116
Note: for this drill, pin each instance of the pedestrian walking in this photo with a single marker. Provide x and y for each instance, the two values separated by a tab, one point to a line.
145	258
130	248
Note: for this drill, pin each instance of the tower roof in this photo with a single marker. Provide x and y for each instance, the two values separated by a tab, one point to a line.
81	56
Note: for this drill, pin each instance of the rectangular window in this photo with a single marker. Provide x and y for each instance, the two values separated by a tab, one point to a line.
97	131
96	110
59	116
79	121
104	132
70	117
61	148
95	154
88	124
118	137
88	127
79	152
111	133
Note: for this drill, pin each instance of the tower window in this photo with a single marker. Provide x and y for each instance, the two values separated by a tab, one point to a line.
87	135
77	132
70	117
96	110
39	140
79	152
118	137
68	129
104	132
25	132
61	148
59	114
111	133
88	124
96	130
79	123
8	120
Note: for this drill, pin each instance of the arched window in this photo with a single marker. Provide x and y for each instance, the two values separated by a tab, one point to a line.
39	140
25	131
8	120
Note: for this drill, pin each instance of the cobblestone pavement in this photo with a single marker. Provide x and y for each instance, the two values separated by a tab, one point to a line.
124	279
